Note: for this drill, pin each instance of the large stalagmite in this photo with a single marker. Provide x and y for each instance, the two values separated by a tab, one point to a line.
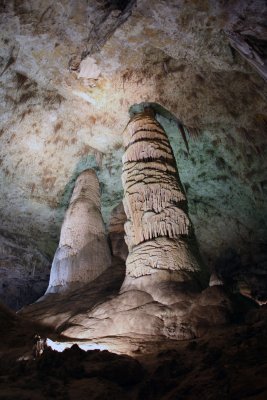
83	252
158	230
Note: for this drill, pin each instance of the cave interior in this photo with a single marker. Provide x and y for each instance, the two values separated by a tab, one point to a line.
133	199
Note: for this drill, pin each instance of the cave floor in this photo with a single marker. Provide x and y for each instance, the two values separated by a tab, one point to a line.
227	363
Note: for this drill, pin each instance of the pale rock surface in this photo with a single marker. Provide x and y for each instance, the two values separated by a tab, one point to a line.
83	252
150	367
158	230
89	69
57	310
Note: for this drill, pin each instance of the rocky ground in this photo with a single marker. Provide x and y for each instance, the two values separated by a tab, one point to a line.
227	363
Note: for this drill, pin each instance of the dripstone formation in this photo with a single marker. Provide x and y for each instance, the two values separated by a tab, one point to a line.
83	252
159	233
161	295
162	270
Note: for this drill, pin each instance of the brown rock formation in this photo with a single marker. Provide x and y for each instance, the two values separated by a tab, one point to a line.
83	252
116	232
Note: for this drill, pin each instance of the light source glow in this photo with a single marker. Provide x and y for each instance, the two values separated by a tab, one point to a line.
85	97
61	346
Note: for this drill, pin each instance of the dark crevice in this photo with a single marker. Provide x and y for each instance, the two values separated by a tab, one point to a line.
160	132
106	23
119	4
162	160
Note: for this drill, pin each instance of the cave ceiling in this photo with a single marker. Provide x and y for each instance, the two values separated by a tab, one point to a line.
70	72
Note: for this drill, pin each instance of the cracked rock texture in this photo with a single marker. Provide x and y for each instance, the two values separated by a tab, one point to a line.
70	71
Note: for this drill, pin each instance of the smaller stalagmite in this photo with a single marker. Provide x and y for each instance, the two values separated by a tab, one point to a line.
83	252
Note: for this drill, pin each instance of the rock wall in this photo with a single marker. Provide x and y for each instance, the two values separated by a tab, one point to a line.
83	252
24	270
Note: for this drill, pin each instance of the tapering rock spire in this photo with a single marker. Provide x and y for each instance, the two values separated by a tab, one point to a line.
158	231
83	252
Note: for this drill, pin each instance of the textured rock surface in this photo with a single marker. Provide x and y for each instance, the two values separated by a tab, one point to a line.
177	54
116	232
24	271
83	252
226	364
60	311
160	294
159	234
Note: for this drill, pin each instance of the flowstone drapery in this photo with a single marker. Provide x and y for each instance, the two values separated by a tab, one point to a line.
83	252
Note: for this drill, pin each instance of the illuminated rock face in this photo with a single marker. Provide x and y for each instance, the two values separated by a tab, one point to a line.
83	252
161	293
162	273
158	230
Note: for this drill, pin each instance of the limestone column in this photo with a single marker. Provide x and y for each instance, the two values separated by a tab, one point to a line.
159	234
83	252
